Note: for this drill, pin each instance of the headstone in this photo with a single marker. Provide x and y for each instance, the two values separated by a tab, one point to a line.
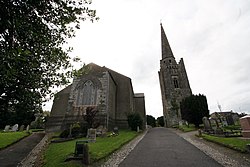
21	128
14	128
91	134
7	128
28	128
245	125
101	131
138	129
116	130
82	150
207	124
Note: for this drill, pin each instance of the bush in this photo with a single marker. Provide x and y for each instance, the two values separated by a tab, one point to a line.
134	120
76	131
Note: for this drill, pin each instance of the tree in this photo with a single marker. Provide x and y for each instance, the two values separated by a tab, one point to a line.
90	117
134	120
160	121
194	108
32	57
151	120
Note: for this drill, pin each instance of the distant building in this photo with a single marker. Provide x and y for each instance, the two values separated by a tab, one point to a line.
112	93
174	83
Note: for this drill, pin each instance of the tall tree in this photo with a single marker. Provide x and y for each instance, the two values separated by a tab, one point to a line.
32	57
151	120
160	121
194	108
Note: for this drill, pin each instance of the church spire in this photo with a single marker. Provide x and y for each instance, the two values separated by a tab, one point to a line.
165	47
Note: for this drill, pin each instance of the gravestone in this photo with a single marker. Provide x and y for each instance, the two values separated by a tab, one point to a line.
7	128
207	124
101	131
245	125
82	150
14	128
21	128
28	128
116	130
91	135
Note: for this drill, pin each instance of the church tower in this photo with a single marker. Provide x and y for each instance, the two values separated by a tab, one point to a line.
174	83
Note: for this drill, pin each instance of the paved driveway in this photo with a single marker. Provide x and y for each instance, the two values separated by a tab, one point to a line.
11	156
163	148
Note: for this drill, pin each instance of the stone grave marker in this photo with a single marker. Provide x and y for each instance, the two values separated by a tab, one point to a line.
21	128
91	135
28	128
14	128
7	128
101	131
116	130
207	124
82	150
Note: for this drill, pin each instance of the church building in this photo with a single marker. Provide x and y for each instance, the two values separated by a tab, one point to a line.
173	82
109	91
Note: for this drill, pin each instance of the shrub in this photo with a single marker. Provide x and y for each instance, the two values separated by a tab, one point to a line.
134	120
76	131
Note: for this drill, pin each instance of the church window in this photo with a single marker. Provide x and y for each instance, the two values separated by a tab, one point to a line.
87	94
176	84
169	61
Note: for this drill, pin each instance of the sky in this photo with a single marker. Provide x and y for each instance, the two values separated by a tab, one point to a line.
212	36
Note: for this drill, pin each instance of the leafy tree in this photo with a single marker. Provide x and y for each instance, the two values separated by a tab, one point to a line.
134	120
90	117
194	108
32	57
151	120
160	121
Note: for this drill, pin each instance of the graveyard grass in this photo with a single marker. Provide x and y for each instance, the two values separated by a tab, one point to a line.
56	153
235	143
186	128
8	138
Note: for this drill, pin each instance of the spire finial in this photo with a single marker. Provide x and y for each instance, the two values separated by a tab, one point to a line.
166	49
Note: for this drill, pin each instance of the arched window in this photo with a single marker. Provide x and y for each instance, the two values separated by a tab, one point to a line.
87	94
176	84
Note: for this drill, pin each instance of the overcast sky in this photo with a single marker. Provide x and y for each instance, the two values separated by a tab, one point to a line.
212	36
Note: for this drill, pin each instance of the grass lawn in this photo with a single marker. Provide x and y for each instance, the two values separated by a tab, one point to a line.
58	152
230	142
185	128
8	138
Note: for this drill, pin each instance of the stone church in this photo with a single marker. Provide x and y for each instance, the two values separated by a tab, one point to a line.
173	82
110	92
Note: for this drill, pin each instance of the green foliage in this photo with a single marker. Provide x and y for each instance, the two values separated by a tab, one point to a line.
186	128
230	142
151	121
56	153
8	138
90	117
33	60
134	120
194	108
160	121
77	130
